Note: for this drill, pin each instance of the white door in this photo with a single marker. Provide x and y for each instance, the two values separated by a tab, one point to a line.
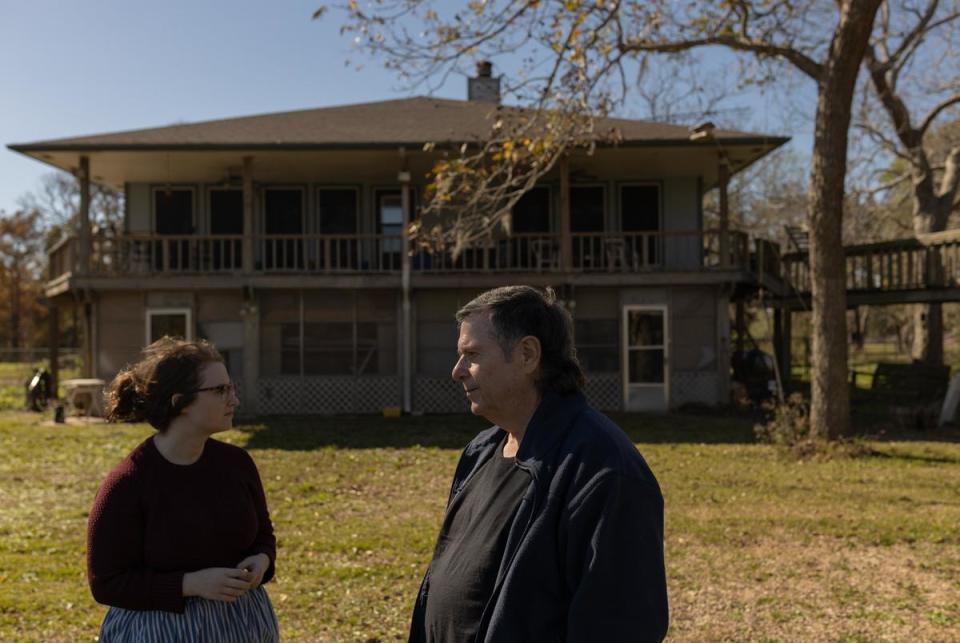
646	373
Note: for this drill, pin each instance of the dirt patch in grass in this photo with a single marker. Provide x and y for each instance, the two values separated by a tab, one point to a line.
824	589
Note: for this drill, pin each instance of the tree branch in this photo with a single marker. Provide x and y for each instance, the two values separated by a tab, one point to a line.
798	59
918	31
944	104
950	183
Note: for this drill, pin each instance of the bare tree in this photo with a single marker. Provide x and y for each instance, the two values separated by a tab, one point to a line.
57	201
21	268
766	197
575	56
914	81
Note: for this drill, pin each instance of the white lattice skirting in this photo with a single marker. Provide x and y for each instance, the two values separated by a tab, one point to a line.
328	395
694	387
332	395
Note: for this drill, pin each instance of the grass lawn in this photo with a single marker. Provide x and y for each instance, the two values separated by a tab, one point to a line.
758	548
13	377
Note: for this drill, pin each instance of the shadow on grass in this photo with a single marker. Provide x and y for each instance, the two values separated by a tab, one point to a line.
914	457
455	431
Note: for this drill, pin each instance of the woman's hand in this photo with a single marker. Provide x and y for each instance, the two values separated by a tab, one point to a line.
257	566
217	583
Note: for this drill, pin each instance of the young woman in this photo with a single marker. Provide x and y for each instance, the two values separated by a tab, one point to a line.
179	541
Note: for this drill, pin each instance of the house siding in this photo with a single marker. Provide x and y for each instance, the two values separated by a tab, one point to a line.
138	208
120	322
680	200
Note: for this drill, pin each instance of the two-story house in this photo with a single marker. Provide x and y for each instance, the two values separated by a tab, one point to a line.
282	239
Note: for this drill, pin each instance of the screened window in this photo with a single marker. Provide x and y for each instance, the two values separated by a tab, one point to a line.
329	349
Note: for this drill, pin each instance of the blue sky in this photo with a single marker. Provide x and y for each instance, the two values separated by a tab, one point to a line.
72	68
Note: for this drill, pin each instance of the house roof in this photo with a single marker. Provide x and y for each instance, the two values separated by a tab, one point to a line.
391	123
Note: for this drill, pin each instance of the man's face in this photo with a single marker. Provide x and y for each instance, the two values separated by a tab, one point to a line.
492	382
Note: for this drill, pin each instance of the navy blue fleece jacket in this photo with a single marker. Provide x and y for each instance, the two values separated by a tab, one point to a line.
584	555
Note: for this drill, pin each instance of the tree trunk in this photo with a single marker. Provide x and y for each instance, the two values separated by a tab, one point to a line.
928	318
928	334
830	399
15	310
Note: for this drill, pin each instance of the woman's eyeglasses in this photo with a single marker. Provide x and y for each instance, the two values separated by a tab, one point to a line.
223	390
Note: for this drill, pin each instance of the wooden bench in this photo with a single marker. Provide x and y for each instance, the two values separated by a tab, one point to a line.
915	384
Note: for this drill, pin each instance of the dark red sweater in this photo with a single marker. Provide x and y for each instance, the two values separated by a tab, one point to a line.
153	521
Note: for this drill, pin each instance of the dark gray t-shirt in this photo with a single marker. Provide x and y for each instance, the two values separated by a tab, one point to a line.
467	558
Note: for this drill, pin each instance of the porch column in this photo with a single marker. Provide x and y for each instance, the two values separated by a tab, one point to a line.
83	223
248	202
741	325
53	342
723	180
566	241
87	346
778	346
250	311
786	349
723	346
405	334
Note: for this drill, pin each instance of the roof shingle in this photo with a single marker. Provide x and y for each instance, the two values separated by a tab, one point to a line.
408	121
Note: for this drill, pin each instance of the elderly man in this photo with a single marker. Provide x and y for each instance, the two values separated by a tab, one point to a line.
554	525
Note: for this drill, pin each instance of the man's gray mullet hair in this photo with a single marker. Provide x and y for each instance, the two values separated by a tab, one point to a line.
519	311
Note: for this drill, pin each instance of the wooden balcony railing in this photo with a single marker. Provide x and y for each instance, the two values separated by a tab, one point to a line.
929	261
328	253
166	254
62	258
518	252
610	252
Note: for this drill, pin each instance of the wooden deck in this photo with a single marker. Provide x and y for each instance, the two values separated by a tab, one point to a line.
912	270
151	255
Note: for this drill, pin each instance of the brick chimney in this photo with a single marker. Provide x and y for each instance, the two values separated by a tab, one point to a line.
484	87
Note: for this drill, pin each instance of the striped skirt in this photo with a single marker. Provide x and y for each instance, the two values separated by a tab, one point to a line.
249	619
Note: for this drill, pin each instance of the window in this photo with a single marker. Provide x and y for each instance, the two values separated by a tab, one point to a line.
283	210
389	224
640	213
596	342
337	211
226	218
172	215
283	215
532	211
586	216
329	349
226	212
175	322
337	215
173	210
640	208
586	209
